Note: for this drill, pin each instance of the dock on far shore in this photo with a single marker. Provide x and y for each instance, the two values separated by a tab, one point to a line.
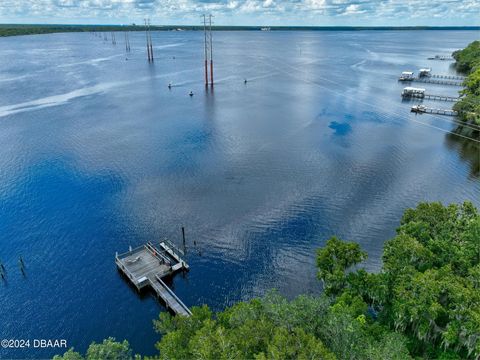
146	265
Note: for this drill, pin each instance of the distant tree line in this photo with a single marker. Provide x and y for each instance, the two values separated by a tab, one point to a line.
14	30
468	61
30	29
424	303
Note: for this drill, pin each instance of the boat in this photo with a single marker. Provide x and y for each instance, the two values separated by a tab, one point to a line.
406	76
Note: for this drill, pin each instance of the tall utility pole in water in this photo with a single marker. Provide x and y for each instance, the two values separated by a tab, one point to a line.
150	38
149	54
205	48
208	48
211	52
127	42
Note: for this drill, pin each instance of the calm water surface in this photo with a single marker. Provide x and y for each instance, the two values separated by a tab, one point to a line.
98	154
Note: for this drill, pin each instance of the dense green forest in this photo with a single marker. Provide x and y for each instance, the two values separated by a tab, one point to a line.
21	29
424	303
468	61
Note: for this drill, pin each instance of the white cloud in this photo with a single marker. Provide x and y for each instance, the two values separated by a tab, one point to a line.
292	12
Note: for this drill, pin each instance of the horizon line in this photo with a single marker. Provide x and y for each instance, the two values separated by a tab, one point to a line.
472	27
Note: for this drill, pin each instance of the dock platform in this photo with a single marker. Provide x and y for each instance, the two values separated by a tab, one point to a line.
146	265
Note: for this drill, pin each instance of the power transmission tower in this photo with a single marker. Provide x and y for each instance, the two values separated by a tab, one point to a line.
208	48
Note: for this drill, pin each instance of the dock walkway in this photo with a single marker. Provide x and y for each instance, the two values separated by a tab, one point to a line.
437	81
146	265
420	109
441	57
448	77
168	296
431	97
432	79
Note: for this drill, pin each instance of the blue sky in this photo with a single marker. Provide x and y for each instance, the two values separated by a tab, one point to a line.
247	12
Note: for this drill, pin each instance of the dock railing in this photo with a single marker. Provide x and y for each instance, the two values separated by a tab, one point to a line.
174	248
176	298
158	253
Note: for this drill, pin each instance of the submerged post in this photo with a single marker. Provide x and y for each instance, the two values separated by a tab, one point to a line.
22	265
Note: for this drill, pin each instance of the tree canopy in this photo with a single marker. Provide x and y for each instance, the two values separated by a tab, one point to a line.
109	349
469	58
424	303
428	287
468	108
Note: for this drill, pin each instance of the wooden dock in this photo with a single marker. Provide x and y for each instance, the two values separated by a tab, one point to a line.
146	265
441	58
420	109
431	97
448	77
439	81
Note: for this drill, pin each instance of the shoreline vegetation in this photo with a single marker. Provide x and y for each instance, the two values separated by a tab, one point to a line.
33	29
424	303
467	61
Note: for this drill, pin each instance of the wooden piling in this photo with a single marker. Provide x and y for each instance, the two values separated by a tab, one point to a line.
183	238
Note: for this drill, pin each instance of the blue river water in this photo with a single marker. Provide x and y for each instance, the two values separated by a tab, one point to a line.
97	154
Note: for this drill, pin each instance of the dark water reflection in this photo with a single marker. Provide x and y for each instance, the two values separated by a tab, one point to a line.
469	151
98	154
